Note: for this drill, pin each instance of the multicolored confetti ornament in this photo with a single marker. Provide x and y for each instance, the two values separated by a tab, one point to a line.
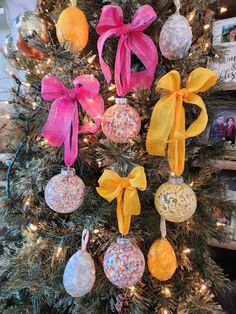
79	274
175	200
124	263
121	122
65	192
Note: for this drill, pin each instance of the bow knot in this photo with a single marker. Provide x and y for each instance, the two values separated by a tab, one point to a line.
124	189
74	93
126	29
62	125
184	93
167	124
132	39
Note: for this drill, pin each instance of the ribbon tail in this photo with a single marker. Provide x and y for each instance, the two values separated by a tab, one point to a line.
123	221
122	67
71	140
162	120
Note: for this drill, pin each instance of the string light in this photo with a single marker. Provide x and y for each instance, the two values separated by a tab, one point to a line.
220	224
191	184
33	227
166	291
134	95
91	59
99	164
5	117
203	288
85	140
111	98
206	26
111	87
186	251
172	174
34	105
223	10
96	231
165	311
4	102
27	202
26	84
191	15
58	253
132	289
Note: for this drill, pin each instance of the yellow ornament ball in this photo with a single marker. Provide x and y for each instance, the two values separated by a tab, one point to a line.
175	200
162	262
72	27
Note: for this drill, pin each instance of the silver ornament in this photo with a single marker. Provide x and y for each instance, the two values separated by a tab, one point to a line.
79	274
27	26
11	52
175	37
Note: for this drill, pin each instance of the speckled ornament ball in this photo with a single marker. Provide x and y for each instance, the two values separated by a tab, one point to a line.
175	37
65	192
121	122
175	200
124	263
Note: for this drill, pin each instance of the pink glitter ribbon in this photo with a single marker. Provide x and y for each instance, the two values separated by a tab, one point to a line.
132	39
62	125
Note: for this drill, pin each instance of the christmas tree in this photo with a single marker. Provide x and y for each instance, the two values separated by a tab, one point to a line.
63	48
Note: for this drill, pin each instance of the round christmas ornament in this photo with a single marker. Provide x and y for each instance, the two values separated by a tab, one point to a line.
176	36
121	122
175	200
28	25
72	27
65	192
162	262
79	274
10	51
124	263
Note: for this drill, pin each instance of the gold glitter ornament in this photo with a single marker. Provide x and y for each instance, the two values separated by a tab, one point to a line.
175	200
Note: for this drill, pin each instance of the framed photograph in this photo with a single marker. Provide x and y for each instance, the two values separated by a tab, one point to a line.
224	37
222	128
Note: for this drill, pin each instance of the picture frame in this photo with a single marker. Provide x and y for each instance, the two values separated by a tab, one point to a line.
224	38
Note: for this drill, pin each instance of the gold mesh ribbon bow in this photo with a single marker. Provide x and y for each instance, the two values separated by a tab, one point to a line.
124	189
167	124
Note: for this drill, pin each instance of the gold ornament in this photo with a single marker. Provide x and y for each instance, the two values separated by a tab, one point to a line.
175	200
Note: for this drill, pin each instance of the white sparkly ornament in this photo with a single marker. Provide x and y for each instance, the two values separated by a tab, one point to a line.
176	36
79	274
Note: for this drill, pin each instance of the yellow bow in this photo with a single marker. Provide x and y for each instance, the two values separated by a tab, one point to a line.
168	118
112	186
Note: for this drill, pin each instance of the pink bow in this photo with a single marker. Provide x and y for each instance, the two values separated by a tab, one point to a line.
62	125
132	39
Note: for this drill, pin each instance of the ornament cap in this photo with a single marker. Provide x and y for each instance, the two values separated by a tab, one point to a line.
176	180
68	172
123	239
121	101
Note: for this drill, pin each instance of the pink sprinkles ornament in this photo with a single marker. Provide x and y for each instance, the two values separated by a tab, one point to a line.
124	263
65	192
121	122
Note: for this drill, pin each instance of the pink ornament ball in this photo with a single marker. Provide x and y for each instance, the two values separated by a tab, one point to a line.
124	263
121	122
65	192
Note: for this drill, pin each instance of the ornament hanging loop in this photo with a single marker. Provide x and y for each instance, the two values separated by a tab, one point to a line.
178	5
163	227
73	3
85	238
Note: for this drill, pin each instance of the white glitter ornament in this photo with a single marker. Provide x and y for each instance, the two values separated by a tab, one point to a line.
79	274
176	36
65	192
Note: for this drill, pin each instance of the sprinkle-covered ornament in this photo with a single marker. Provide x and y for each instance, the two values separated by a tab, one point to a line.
175	200
121	122
79	274
124	263
162	262
176	36
65	192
